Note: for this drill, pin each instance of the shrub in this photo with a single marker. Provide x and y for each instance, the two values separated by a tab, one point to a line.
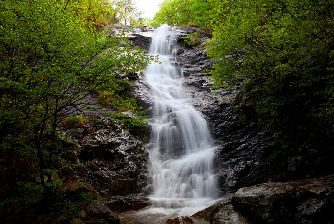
192	39
75	120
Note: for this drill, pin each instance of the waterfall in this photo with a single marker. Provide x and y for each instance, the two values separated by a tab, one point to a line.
181	148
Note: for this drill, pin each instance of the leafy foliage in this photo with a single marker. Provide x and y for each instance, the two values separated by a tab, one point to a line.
183	13
51	59
75	120
283	50
96	13
127	11
127	121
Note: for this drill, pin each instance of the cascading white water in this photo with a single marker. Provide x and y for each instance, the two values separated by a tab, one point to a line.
181	149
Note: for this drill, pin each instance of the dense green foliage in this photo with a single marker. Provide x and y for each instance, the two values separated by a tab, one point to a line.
94	13
51	59
183	13
99	13
284	51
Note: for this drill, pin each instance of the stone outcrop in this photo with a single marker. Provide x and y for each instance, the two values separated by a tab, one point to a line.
97	212
116	161
129	202
306	201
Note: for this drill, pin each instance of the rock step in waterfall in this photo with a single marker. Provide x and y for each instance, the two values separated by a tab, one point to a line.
181	148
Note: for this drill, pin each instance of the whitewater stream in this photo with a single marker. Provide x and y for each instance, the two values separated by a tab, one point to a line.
181	148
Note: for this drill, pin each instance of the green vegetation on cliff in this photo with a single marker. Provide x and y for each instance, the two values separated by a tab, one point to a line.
283	51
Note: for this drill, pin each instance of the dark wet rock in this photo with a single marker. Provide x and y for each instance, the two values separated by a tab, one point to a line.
223	212
116	160
89	106
141	41
180	220
77	186
206	213
133	75
142	93
242	160
126	203
97	212
178	51
306	201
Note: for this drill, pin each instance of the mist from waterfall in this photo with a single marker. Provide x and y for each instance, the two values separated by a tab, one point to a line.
181	148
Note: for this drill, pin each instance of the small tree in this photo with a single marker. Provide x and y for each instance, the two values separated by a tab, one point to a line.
127	11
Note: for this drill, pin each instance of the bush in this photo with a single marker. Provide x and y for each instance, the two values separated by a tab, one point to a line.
192	39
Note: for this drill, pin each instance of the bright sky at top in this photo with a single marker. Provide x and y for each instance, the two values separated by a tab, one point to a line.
149	7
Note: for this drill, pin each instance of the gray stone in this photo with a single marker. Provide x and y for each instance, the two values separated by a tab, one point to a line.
287	202
98	212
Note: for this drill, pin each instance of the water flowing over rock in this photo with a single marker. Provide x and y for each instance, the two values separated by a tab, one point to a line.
181	148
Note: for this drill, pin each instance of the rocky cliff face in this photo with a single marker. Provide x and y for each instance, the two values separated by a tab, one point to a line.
109	157
239	150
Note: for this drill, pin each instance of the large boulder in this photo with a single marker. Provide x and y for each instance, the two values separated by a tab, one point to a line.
225	213
97	212
307	201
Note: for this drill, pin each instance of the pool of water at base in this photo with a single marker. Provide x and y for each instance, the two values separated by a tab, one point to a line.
159	215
